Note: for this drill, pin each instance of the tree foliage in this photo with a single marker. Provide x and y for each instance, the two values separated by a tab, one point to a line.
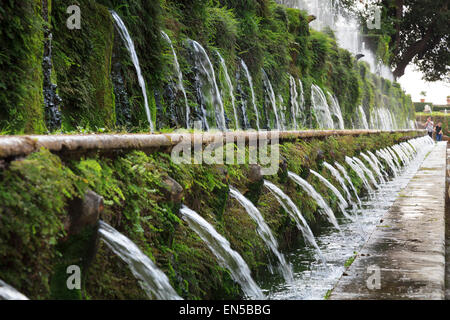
418	32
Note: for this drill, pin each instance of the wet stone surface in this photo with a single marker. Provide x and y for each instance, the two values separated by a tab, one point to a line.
447	228
405	256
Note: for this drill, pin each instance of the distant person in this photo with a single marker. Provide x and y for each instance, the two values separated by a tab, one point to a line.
439	132
429	125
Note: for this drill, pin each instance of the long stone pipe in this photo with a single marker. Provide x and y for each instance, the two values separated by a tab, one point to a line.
14	146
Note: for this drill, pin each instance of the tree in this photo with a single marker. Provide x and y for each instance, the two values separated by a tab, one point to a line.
418	32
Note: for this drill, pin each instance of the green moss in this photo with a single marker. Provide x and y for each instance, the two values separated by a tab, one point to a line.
110	278
328	294
21	95
77	250
264	34
82	61
350	260
33	193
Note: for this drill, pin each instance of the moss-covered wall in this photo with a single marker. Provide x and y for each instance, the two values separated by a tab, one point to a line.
88	62
35	193
21	80
82	61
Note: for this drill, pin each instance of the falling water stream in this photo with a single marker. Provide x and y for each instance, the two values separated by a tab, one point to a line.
209	84
321	109
366	171
123	32
179	75
230	87
387	157
343	205
301	97
362	118
290	207
341	181
252	91
359	171
336	110
294	102
226	256
9	293
272	100
324	208
264	232
152	280
393	157
305	273
374	166
349	181
378	162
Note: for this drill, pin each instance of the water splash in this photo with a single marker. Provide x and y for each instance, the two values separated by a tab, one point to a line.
226	256
123	32
264	232
154	282
324	208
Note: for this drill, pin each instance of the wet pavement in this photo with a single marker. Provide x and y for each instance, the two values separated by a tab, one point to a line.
404	257
447	228
313	279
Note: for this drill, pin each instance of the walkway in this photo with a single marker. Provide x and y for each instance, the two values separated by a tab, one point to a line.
447	229
405	256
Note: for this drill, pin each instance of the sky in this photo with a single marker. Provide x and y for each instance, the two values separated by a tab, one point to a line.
413	84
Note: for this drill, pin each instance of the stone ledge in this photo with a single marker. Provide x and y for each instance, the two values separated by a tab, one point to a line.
13	146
